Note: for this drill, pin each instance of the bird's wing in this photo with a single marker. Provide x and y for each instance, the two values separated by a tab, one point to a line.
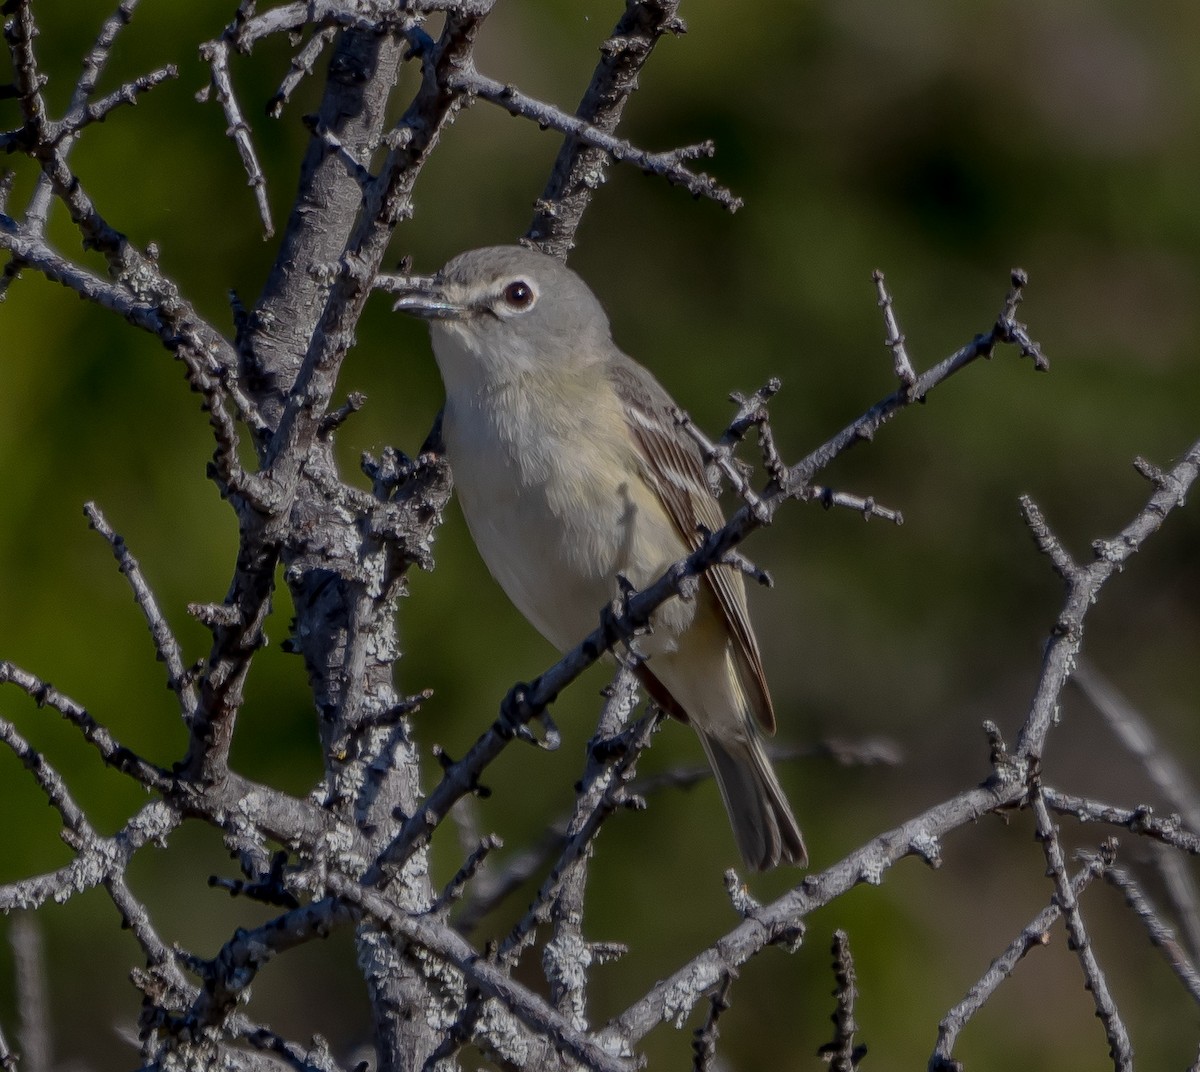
674	468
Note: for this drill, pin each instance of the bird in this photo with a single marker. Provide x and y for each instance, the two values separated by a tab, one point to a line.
573	473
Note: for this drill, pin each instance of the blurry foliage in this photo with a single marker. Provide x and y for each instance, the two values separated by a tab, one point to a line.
941	143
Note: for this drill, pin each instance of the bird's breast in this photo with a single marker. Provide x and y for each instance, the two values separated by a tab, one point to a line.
556	506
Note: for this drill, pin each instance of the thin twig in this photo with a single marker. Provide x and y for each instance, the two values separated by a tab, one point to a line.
671	165
464	875
704	1039
302	65
868	507
895	338
1034	935
216	55
1141	820
1161	936
579	169
842	1054
113	753
166	646
1095	980
94	64
1005	331
1084	584
84	115
605	792
567	955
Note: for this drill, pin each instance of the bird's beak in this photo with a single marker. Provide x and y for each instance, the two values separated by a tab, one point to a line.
427	299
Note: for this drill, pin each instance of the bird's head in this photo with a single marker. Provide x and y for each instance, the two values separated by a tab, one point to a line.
505	310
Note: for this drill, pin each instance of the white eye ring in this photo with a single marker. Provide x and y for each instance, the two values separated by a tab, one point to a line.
519	296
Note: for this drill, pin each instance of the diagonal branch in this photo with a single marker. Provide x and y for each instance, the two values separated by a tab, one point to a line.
438	939
580	167
1034	934
166	646
1161	936
301	66
85	114
1083	585
115	754
97	859
1095	980
1006	330
216	55
672	998
671	165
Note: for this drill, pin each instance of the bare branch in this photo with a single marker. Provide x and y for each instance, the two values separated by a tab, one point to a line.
868	507
94	64
97	859
301	66
463	876
28	80
672	998
166	647
613	755
445	944
97	111
1140	820
704	1041
1035	934
216	55
842	1054
720	455
240	959
1084	586
1161	936
580	168
567	955
1095	981
1006	330
111	751
671	165
1047	542
895	338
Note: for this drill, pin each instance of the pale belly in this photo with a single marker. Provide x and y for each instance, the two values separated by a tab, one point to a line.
556	537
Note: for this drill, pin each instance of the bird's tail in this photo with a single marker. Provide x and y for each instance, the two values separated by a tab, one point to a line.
762	820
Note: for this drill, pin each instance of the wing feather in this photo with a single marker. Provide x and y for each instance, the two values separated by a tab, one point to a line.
675	469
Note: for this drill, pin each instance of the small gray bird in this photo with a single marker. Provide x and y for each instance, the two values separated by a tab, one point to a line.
571	470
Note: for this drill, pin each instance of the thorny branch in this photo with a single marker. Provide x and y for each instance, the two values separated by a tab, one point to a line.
842	1054
671	165
580	168
355	852
1034	935
1096	981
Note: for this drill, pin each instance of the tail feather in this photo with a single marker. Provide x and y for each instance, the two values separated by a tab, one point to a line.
763	824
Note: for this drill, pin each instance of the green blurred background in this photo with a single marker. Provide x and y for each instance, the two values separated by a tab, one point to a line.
941	143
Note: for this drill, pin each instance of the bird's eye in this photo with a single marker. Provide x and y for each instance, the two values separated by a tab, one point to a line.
518	294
